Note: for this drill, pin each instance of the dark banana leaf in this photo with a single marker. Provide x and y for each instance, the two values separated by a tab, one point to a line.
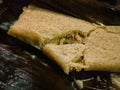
10	11
98	11
23	67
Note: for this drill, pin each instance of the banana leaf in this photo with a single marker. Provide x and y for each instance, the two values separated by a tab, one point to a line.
98	11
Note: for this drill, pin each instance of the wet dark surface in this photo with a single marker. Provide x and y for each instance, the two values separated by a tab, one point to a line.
23	67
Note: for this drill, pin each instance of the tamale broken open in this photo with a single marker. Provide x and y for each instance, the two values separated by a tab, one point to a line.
50	31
